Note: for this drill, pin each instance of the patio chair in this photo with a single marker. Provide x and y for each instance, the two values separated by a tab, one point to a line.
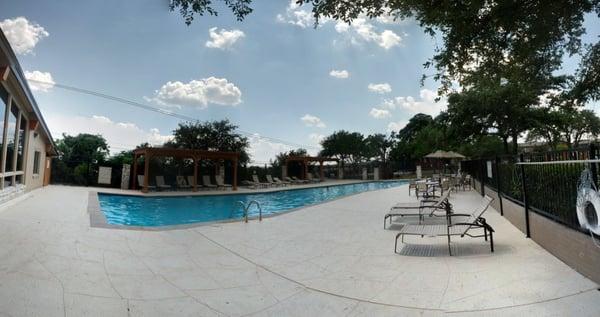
181	183
299	181
221	182
249	184
207	183
258	182
466	182
160	183
425	190
190	180
424	207
412	186
271	182
292	181
310	178
283	183
472	222
140	179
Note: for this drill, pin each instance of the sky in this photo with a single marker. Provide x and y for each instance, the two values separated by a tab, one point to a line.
285	83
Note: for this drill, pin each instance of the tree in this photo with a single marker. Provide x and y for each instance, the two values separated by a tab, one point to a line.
187	8
415	124
344	145
210	136
75	155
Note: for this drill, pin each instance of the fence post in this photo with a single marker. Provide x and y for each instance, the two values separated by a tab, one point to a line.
528	233
592	156
498	185
482	176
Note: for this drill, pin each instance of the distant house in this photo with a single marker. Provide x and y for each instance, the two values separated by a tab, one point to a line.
26	145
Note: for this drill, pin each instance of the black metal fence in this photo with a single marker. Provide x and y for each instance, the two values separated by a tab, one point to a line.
544	183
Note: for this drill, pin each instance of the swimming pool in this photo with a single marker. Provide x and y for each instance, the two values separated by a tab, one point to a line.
163	211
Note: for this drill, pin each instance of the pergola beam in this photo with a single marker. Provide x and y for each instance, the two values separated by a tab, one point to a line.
307	159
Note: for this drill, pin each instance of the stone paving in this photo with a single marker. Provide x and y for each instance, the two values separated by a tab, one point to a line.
333	259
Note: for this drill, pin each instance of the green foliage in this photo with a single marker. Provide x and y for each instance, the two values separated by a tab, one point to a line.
75	156
211	136
346	146
187	8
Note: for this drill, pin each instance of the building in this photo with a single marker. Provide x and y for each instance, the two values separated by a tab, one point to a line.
25	142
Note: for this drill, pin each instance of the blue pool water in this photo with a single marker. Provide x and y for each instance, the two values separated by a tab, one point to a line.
162	211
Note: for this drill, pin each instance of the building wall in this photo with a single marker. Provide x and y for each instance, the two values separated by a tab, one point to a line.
36	143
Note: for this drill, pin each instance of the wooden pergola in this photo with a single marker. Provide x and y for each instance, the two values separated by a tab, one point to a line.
197	155
308	159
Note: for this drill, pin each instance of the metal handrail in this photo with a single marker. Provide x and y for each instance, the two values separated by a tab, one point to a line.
247	207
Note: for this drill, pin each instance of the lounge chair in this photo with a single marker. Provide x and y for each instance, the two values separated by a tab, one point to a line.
420	210
258	182
140	179
412	186
221	182
310	178
292	181
299	181
160	183
283	183
207	183
249	184
464	227
181	183
271	181
190	180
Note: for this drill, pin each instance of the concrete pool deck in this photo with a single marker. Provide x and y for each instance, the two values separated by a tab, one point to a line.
333	259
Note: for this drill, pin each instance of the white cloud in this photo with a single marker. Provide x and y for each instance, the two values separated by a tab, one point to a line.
39	81
223	39
382	88
262	150
396	126
361	30
22	34
119	135
312	121
316	138
198	93
426	104
341	74
295	15
379	113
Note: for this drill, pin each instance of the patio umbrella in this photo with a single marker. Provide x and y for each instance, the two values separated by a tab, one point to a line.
441	155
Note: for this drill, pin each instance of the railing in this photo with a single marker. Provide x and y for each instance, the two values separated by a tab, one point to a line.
544	183
246	207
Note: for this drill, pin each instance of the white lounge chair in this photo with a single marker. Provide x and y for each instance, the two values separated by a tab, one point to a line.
283	183
190	180
310	178
140	179
207	183
462	228
420	209
221	182
160	182
181	183
258	182
271	181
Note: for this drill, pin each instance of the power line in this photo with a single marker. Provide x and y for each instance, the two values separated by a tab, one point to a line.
161	111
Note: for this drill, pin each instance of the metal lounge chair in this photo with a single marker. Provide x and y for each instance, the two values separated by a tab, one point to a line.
207	183
283	183
160	183
221	182
181	183
141	183
420	210
299	181
310	178
464	228
271	182
190	180
292	181
258	182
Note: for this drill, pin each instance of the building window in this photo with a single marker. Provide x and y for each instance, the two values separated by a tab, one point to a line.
21	143
11	135
36	162
3	104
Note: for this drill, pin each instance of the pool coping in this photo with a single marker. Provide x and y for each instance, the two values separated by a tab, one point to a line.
98	219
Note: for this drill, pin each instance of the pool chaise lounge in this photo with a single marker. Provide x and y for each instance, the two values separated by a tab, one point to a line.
457	225
419	210
257	182
279	181
182	184
140	179
271	182
221	182
207	183
160	182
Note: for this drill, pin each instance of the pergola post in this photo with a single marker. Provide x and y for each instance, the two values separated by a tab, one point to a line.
146	172
321	170
135	157
195	185
235	164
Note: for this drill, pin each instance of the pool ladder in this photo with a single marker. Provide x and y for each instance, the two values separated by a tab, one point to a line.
247	207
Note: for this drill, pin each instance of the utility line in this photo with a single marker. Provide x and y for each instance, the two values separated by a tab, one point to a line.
161	111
